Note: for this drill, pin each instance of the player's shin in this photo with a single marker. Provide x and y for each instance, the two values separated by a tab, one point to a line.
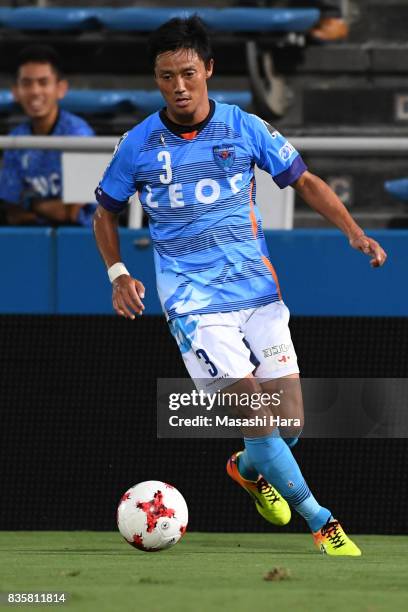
272	458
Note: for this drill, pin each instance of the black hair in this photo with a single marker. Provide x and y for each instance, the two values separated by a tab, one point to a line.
178	33
40	54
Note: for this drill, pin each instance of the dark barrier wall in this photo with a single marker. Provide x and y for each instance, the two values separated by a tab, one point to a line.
78	426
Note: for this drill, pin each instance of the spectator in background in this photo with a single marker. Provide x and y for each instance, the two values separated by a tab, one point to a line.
31	181
331	26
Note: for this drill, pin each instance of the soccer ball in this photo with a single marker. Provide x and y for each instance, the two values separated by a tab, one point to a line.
152	516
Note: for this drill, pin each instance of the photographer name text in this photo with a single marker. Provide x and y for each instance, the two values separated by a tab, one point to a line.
226	421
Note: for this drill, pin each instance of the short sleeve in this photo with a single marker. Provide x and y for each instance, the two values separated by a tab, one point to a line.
11	179
118	182
273	153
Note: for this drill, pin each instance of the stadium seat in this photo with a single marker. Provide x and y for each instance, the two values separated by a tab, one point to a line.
398	188
7	104
279	27
105	101
147	19
31	18
101	101
4	16
223	20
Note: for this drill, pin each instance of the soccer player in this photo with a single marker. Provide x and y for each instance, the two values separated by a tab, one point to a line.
30	182
192	165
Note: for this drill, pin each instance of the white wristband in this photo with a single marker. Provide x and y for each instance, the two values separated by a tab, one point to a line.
117	270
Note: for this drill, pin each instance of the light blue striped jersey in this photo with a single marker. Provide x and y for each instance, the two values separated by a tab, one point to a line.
199	194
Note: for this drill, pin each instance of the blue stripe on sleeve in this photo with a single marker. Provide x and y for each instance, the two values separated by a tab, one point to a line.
289	176
108	202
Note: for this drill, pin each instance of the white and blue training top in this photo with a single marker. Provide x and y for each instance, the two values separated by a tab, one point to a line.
36	174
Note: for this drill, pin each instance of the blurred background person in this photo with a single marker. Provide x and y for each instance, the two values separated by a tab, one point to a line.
30	181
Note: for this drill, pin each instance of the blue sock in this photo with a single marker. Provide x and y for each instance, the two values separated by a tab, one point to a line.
245	467
272	458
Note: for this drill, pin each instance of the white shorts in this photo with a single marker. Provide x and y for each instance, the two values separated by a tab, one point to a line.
230	345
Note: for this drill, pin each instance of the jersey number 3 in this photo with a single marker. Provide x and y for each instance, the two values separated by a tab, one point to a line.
168	176
201	354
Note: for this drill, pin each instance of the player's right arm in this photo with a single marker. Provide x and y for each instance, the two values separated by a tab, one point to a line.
127	292
112	195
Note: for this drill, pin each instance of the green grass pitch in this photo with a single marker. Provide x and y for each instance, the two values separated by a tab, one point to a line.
205	573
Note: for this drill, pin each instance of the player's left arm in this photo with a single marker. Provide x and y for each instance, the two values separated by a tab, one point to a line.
274	154
319	196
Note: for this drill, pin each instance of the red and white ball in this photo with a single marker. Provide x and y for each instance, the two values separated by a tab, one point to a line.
152	516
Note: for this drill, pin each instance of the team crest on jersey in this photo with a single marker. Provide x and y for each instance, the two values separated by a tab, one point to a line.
224	156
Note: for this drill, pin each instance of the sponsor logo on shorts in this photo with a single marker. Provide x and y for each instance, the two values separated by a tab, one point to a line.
278	349
215	380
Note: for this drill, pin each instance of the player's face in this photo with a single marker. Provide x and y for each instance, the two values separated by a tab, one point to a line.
182	79
38	89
